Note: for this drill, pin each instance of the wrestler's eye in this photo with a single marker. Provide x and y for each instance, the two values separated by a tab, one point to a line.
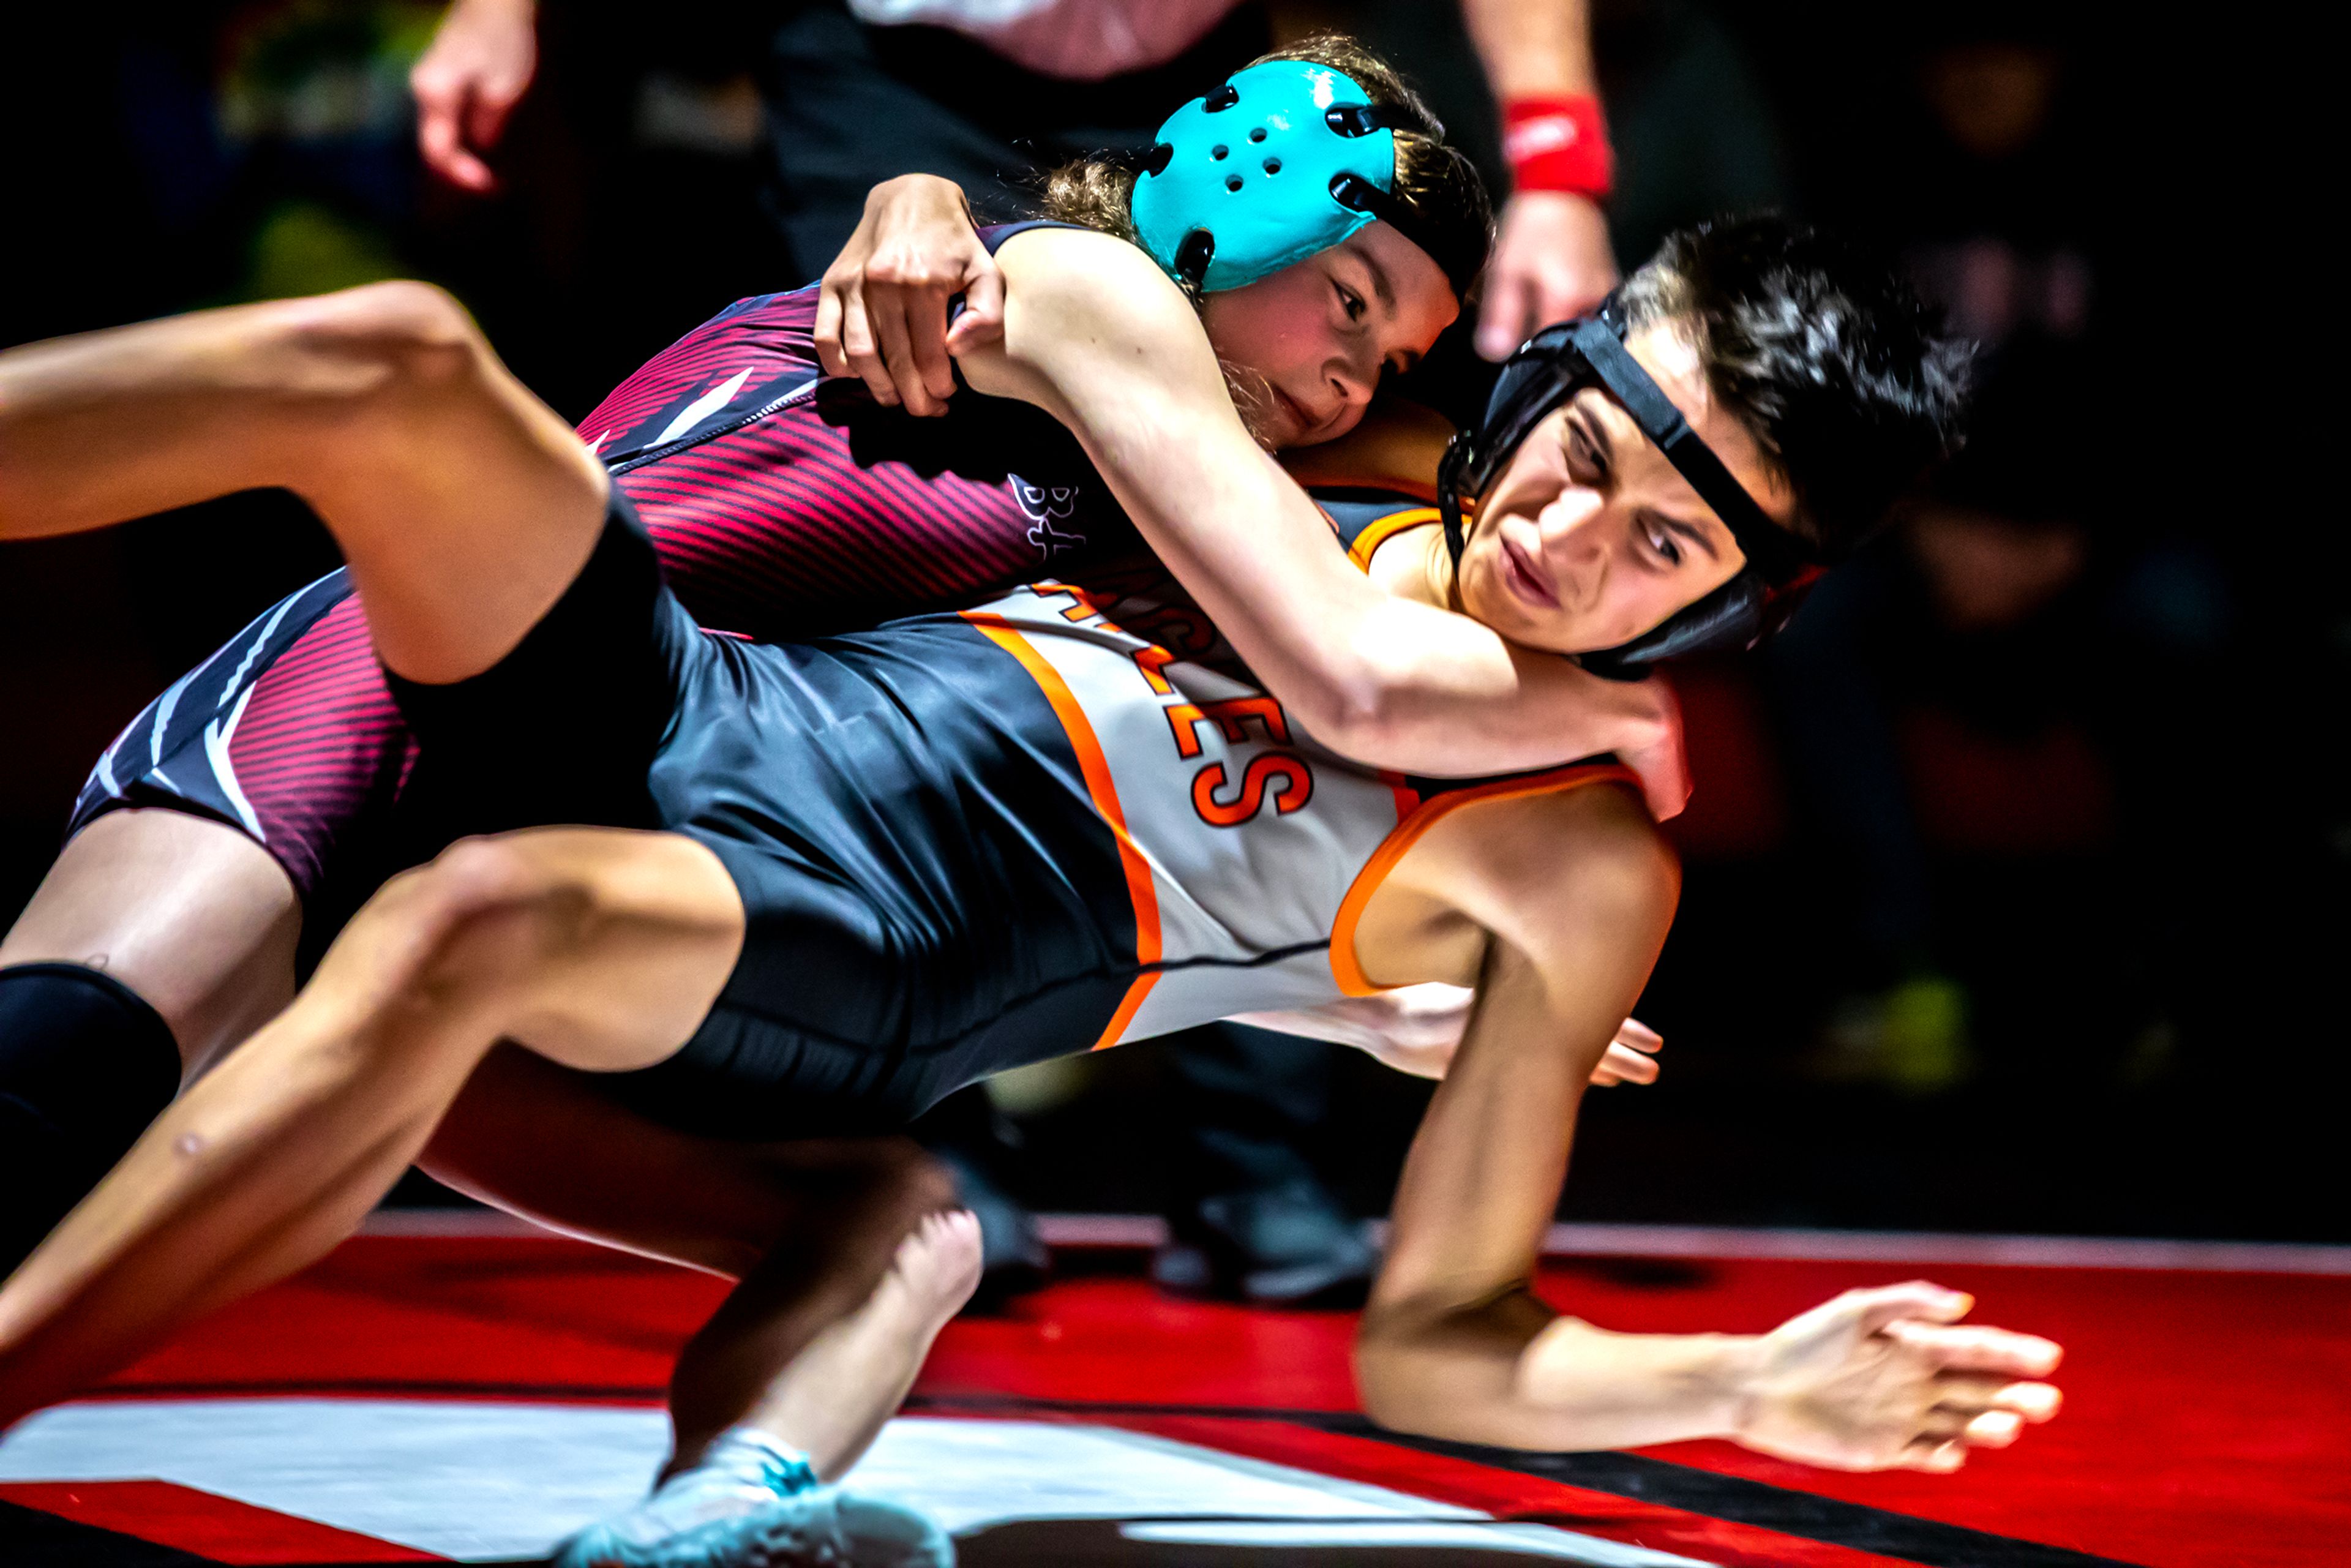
1585	462
1661	541
1352	300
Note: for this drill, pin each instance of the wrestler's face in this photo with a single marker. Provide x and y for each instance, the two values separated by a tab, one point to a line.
1590	538
1305	347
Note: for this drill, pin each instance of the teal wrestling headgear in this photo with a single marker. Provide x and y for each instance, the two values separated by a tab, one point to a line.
1285	160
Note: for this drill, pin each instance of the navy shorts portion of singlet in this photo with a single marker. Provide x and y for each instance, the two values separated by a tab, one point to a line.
927	898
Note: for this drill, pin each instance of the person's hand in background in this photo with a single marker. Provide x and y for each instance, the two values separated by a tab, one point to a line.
1552	263
479	66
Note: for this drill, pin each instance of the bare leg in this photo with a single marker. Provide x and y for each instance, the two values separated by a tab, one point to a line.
463	505
846	1279
833	1399
598	949
188	913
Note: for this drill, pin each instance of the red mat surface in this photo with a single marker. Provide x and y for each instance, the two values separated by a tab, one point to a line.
2207	1418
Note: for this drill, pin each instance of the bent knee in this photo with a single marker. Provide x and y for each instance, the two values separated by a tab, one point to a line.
482	918
380	343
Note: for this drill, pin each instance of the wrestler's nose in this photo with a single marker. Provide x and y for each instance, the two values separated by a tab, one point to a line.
1354	382
1571	532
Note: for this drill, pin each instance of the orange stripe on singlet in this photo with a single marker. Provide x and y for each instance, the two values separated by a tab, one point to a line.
1344	967
1095	769
1380	530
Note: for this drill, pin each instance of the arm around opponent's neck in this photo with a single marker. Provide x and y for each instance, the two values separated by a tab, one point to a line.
1096	334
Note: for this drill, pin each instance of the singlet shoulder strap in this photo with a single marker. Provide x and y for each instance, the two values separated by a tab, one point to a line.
1366	519
1422	803
994	235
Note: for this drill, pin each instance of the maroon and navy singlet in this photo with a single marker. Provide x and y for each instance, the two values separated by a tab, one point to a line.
782	506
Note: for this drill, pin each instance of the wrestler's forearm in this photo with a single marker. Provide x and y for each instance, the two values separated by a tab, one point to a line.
1510	1374
1110	348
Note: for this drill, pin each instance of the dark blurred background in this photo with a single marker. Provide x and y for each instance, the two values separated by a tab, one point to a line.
2016	872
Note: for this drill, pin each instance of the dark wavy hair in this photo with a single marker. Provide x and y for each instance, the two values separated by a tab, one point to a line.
1821	347
1435	181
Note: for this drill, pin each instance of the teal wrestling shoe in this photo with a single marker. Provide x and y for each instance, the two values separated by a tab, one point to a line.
752	1502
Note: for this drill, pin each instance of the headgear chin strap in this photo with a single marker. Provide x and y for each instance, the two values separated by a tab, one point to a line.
1551	368
1285	160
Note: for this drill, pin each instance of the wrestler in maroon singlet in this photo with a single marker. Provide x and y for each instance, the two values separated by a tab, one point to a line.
782	506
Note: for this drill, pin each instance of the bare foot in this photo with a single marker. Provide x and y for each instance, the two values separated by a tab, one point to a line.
831	1401
934	1272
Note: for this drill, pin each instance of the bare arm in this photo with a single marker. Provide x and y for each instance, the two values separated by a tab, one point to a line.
1561	902
1098	336
1533	47
1552	257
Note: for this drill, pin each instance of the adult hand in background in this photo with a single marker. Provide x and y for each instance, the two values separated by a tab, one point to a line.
1552	263
882	315
479	66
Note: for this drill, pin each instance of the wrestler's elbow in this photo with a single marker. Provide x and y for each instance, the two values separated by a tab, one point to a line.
1367	699
1348	705
1392	1389
1418	1383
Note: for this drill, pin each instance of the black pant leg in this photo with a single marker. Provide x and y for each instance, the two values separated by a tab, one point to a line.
1246	1102
849	105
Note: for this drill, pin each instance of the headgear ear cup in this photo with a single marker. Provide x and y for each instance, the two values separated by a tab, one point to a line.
1251	165
1285	160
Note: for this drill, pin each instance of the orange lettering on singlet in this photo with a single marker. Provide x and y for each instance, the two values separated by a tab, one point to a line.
1288	776
1153	659
1228	717
1089	601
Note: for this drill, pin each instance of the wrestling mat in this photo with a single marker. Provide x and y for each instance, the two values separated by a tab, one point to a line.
458	1388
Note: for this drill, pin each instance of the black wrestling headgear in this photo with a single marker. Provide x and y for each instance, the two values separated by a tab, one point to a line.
1553	366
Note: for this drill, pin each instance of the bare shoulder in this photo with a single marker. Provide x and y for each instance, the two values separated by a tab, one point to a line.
1086	315
1511	862
1079	270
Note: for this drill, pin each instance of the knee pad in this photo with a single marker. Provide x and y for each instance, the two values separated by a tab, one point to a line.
85	1064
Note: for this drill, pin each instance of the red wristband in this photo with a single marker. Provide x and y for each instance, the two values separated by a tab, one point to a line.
1558	144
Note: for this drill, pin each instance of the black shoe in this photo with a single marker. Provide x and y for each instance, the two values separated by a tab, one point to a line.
1286	1246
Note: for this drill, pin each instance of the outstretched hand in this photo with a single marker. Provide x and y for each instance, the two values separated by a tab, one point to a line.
1886	1379
882	313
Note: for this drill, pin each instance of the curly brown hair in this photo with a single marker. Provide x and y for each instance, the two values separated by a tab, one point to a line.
1434	181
